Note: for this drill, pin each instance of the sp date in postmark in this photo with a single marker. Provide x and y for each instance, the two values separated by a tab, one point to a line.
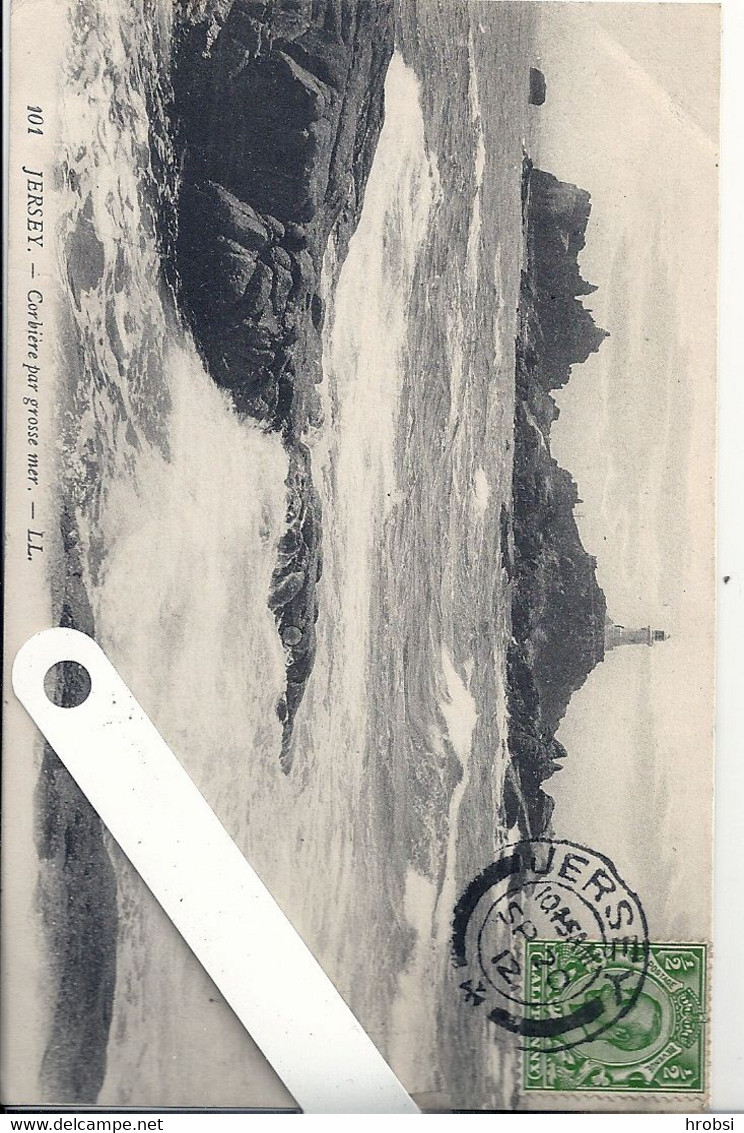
554	891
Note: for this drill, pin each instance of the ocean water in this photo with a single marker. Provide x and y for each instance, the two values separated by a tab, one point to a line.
393	801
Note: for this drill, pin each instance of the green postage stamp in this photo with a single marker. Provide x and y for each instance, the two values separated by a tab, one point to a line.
657	1046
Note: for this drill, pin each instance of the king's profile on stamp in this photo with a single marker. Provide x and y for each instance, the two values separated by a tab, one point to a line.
658	1046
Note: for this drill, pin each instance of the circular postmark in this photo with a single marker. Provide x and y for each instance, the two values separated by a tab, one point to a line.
536	940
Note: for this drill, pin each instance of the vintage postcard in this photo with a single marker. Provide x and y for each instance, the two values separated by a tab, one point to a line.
361	406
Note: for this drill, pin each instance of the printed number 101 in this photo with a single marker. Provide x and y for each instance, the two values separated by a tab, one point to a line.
35	119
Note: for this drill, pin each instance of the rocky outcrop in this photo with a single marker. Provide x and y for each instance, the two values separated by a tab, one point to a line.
556	329
558	608
278	108
293	597
537	87
76	888
246	293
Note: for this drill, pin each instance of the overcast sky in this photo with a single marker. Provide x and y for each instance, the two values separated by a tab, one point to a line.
631	115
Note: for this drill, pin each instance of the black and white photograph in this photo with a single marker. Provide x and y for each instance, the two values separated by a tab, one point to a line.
361	407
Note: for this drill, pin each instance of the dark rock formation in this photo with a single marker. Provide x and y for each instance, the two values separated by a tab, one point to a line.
558	608
556	324
537	87
76	893
293	597
278	109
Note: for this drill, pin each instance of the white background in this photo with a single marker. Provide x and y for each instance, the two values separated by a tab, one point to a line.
728	988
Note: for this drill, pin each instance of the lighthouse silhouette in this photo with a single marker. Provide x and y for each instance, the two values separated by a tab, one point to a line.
620	635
